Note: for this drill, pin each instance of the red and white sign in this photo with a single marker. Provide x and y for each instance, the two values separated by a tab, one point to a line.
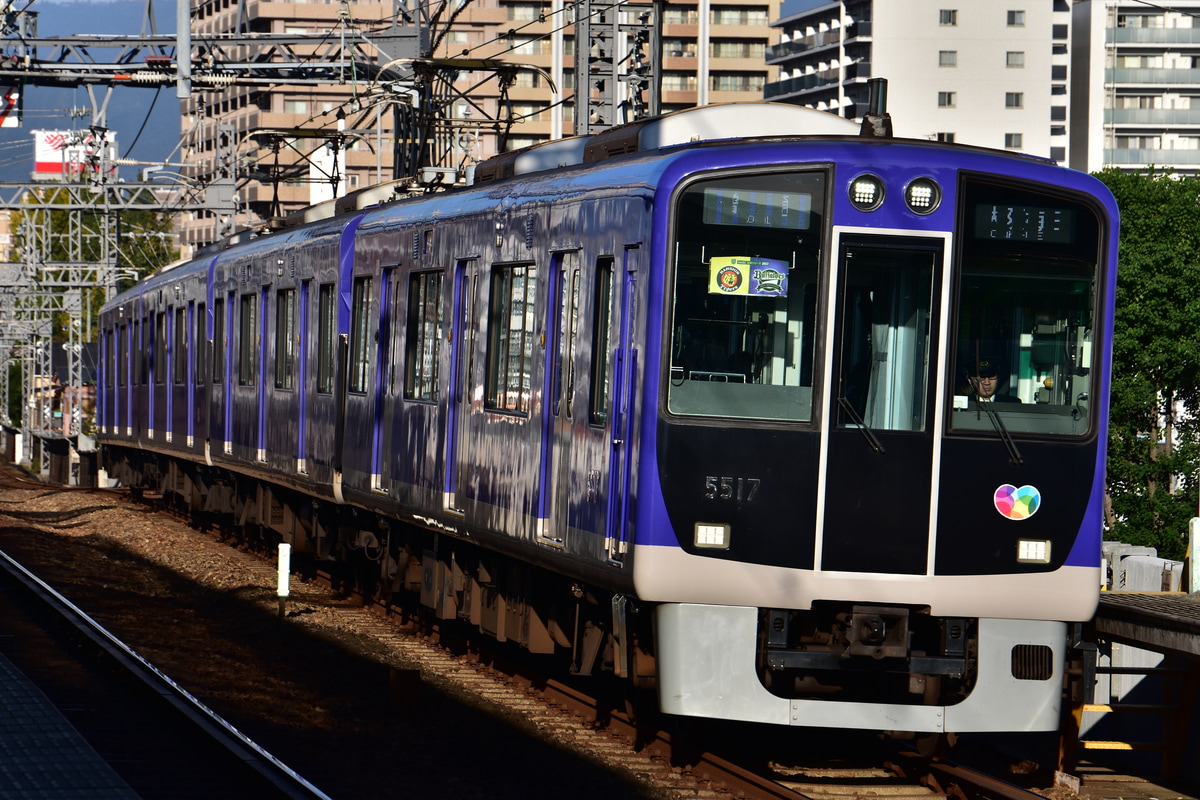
66	153
10	109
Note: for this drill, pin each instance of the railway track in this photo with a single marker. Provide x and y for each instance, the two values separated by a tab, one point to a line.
156	736
669	760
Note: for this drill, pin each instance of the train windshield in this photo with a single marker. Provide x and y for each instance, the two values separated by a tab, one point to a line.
743	323
1026	345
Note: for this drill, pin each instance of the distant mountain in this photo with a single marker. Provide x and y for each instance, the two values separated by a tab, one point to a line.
145	120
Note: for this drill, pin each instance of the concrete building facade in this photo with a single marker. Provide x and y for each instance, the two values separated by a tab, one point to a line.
1137	86
989	74
714	51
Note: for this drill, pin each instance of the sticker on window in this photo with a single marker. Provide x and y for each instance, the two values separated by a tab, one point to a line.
756	277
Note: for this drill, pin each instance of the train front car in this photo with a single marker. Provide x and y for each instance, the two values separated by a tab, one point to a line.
879	433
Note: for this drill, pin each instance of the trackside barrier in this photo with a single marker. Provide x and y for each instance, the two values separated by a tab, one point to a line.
1143	699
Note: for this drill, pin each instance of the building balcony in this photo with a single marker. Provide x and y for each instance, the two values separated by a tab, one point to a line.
1157	157
1153	35
797	46
1171	77
804	83
1156	117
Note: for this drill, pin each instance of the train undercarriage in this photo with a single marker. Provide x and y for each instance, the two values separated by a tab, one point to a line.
386	560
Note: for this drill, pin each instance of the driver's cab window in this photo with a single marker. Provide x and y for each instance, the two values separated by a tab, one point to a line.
743	327
1025	343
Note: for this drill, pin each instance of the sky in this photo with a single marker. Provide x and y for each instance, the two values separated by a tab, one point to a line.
145	120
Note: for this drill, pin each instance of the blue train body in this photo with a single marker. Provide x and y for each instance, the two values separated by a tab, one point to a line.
701	401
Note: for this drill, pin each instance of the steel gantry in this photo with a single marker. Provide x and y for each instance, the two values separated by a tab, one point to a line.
391	69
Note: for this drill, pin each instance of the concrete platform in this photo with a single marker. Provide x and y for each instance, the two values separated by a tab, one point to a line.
42	757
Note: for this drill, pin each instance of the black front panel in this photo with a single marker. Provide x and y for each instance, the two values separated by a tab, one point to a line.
978	532
877	516
760	482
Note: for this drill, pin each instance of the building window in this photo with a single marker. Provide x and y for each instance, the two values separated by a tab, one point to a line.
741	16
529	45
946	137
737	82
1014	99
423	337
678	82
947	99
530	112
1014	58
295	106
511	335
948	58
525	12
1139	143
680	15
735	48
326	338
948	16
1013	140
682	48
360	335
285	339
527	80
1016	19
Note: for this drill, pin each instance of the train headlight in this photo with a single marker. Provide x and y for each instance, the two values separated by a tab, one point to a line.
866	192
713	535
1033	551
922	196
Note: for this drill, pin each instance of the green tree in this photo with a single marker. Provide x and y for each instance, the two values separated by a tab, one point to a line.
1153	457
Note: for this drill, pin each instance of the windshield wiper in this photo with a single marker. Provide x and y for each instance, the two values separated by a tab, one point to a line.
1014	455
867	433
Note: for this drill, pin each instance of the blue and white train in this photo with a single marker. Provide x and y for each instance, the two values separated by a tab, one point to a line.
695	400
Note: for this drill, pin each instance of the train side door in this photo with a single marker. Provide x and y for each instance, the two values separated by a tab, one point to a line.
603	490
458	415
620	403
882	441
554	517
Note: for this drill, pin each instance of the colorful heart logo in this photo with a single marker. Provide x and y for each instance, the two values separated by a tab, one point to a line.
1017	503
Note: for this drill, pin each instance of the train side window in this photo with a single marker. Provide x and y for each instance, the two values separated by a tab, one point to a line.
122	356
326	349
601	342
285	339
1027	299
200	337
218	352
360	335
247	339
511	328
744	304
179	348
141	356
423	336
160	348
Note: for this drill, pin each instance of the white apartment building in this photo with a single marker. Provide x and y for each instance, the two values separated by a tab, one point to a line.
993	74
1136	84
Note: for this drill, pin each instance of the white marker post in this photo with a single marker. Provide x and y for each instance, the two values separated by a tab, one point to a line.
285	565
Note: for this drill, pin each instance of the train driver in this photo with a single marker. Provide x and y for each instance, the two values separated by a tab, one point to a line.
985	383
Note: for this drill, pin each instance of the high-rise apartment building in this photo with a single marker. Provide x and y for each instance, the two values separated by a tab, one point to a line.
993	74
1137	85
243	130
714	51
